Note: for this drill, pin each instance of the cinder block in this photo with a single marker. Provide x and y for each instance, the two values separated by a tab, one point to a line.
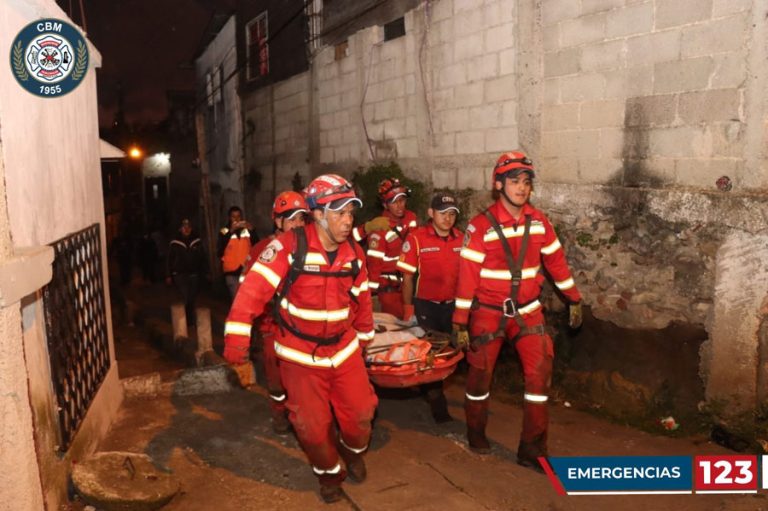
498	12
469	95
599	170
485	116
442	32
383	110
612	143
593	6
587	29
442	9
709	105
609	55
583	87
649	111
716	36
509	113
454	120
500	38
444	178
551	38
564	62
470	142
670	13
466	5
703	173
442	99
602	114
444	144
552	90
561	169
394	129
450	76
326	155
486	66
560	117
441	56
408	148
468	47
468	23
553	11
394	88
475	178
507	62
729	139
682	75
633	19
500	89
351	135
578	144
725	7
623	83
681	142
652	48
326	122
730	70
501	139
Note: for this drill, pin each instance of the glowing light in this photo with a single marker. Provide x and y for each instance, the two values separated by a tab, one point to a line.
135	153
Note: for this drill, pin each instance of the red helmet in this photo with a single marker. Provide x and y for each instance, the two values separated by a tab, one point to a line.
288	204
391	188
511	164
331	190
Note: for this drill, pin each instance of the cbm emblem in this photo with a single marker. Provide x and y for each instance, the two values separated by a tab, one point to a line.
49	58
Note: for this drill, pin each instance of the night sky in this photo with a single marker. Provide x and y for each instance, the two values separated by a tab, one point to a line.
147	47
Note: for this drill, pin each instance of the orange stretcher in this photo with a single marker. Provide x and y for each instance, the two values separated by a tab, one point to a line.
401	356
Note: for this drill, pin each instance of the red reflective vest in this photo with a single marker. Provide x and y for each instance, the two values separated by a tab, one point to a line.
384	250
316	305
483	270
435	258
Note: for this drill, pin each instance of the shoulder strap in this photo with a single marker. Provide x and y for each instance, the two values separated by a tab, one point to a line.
297	266
515	266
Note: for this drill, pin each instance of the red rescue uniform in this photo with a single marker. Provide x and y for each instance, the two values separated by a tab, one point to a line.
383	253
435	259
484	285
316	376
267	330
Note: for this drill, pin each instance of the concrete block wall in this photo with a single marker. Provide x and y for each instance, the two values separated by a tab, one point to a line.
276	132
653	93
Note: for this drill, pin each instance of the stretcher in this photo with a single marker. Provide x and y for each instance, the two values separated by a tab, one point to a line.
403	356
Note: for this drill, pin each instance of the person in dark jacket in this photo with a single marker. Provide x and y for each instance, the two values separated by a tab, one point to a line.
186	264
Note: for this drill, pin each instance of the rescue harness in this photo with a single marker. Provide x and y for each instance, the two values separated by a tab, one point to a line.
510	308
296	271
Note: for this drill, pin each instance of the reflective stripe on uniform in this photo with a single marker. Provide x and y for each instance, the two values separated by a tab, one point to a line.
390	236
511	232
315	258
356	234
375	253
565	284
461	303
406	267
352	449
472	255
320	471
366	336
527	273
393	278
278	398
357	290
307	359
266	272
551	248
373	285
478	398
314	315
237	328
535	398
389	259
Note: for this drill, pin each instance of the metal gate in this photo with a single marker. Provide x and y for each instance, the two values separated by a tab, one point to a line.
76	327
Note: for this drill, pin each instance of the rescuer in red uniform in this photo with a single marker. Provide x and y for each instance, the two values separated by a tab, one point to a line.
497	294
432	252
288	212
384	246
324	317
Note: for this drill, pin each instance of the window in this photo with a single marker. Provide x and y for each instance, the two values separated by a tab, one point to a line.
342	50
256	34
394	29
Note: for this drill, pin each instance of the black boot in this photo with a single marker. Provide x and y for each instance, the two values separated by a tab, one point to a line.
477	419
438	405
280	423
528	453
355	463
331	493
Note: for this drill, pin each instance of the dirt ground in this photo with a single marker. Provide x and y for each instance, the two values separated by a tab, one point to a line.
223	451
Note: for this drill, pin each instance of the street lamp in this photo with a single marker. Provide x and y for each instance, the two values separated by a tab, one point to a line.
135	153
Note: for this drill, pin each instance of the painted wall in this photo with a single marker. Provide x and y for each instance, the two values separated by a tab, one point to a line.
50	156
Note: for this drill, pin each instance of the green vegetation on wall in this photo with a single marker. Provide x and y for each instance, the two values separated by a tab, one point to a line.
367	181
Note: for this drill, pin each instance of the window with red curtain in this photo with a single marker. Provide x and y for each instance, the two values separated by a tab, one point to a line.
258	49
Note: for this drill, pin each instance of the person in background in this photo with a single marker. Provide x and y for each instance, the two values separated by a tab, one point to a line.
235	242
431	253
289	211
186	265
